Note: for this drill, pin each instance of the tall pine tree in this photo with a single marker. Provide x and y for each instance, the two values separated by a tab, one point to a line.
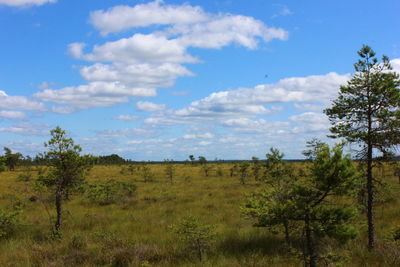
367	112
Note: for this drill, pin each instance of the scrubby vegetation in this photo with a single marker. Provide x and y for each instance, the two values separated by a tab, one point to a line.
123	220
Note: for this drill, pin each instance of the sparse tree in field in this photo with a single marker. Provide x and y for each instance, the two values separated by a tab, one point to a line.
243	167
197	237
67	168
206	168
367	112
192	159
271	205
202	160
256	168
148	175
2	165
169	170
11	159
308	203
233	170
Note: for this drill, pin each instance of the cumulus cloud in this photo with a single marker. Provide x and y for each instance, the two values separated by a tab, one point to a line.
309	122
149	106
138	65
245	103
136	49
120	18
137	75
94	94
25	2
126	133
12	114
396	64
27	128
19	102
198	136
126	117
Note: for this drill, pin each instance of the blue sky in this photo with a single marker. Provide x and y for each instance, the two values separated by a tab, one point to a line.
152	80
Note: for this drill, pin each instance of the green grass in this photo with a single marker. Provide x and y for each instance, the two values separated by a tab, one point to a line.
136	230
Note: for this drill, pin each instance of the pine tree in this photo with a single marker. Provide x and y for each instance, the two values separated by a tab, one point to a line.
367	113
68	168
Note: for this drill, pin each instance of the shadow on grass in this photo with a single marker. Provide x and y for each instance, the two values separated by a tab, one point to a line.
250	243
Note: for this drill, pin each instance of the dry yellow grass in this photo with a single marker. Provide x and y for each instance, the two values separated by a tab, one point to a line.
135	231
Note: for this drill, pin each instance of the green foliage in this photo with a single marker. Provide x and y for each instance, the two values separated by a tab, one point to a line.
9	221
256	168
367	109
305	200
233	170
206	169
271	205
24	177
169	170
202	160
243	166
2	165
147	174
67	168
110	192
197	237
367	112
11	159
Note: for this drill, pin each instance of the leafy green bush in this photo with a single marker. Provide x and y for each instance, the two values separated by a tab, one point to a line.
110	192
24	177
197	237
8	221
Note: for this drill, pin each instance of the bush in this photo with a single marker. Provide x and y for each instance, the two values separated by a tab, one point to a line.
198	238
110	192
8	222
24	177
2	167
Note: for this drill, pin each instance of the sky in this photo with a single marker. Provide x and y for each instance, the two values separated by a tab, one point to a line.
154	80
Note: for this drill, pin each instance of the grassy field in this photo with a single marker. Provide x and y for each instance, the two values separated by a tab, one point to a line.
135	231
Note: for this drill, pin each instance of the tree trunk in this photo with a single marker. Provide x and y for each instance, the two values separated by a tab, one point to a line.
310	244
198	245
370	203
57	226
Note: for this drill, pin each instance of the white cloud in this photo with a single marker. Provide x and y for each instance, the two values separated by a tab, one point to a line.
126	117
63	109
205	143
310	122
27	128
138	65
260	126
180	92
125	133
25	2
396	64
76	50
149	106
283	11
245	103
120	18
137	75
12	114
95	94
223	30
136	49
19	102
198	136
